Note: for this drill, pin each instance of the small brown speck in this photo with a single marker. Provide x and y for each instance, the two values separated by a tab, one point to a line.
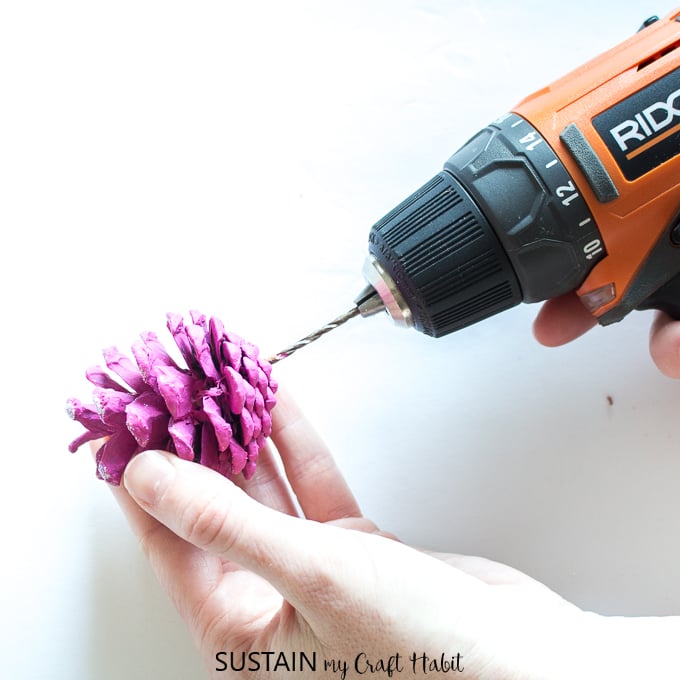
610	400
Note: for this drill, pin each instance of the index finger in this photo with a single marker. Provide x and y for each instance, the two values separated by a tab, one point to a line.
321	490
562	320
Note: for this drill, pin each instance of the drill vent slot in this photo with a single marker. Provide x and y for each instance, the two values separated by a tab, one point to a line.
658	55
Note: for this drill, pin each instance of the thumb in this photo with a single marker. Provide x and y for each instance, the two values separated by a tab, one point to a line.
210	512
346	585
664	345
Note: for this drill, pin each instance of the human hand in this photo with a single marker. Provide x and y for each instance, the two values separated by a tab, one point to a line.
563	319
249	573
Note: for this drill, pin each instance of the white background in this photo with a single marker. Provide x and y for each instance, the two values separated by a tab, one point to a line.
231	157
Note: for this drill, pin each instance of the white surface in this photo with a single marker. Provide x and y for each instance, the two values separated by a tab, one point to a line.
231	156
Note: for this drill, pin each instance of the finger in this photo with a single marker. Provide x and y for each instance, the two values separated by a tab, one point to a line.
141	523
318	484
181	568
208	511
488	571
184	571
364	525
664	344
494	574
215	598
333	578
562	320
174	561
268	485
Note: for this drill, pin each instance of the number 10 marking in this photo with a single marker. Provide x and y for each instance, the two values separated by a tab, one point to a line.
592	248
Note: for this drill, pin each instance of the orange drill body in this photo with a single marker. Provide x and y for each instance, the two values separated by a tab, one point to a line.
634	222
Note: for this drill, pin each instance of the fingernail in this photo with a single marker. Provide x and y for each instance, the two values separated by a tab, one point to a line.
148	475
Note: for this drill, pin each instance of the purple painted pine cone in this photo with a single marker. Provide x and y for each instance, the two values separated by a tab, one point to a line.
216	411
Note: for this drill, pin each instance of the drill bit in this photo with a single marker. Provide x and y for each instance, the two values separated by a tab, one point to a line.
367	303
330	326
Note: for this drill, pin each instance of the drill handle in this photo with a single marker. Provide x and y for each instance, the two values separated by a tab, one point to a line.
666	298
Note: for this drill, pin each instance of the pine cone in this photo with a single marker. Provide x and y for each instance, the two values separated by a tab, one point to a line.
216	411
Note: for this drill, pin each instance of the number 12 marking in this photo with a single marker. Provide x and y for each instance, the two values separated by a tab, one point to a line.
567	192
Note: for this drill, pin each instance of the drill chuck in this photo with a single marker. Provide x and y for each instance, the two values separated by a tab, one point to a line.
501	224
438	261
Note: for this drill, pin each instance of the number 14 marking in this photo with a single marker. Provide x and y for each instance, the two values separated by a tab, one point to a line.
531	140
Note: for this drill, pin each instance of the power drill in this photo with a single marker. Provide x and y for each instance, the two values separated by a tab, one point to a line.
576	189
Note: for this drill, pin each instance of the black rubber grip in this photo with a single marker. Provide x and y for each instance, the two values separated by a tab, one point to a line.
667	298
445	258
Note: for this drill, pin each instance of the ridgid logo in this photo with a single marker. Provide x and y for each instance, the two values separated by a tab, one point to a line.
634	136
643	130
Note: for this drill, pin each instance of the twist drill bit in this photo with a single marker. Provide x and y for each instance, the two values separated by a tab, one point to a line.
367	303
330	326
